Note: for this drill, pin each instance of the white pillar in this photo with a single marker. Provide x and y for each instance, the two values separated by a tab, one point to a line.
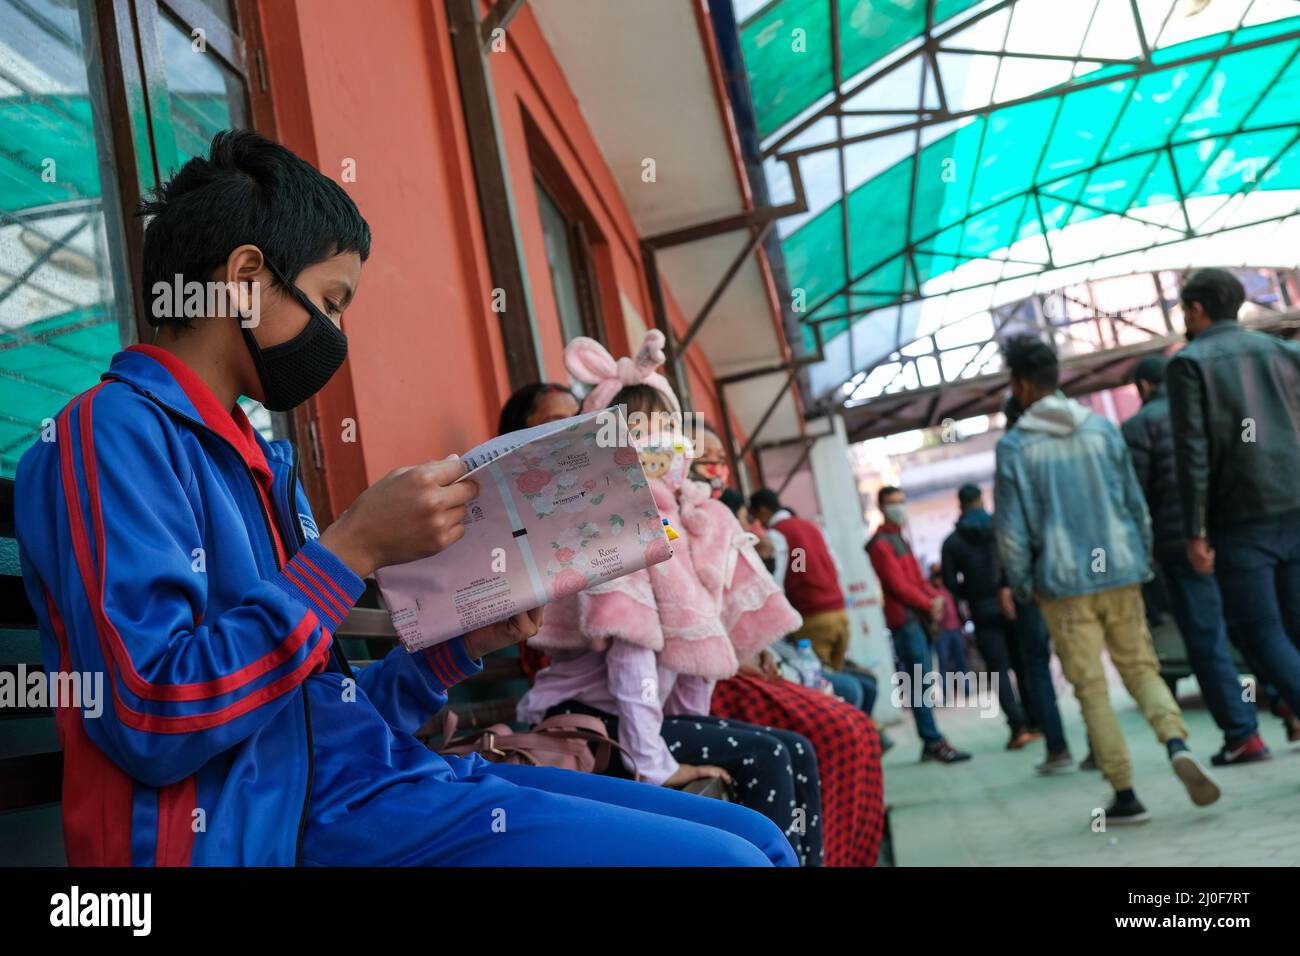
841	513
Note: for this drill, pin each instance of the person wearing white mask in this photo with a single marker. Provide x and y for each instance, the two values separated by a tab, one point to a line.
909	600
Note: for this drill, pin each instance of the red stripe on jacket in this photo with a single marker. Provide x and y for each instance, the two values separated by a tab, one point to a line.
176	805
114	651
308	583
436	666
95	586
97	793
330	583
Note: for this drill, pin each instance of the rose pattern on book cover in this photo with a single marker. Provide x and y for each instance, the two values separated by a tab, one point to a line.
554	516
570	555
555	478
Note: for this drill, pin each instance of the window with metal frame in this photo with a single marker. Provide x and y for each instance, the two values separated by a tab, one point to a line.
98	103
568	255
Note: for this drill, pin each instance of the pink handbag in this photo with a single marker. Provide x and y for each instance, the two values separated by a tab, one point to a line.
559	741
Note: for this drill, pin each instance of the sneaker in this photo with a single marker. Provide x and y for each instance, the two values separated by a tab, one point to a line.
1020	738
1125	812
886	742
1251	750
1200	785
1055	764
1089	762
943	752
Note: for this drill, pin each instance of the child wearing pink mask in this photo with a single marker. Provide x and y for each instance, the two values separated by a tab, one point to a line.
710	464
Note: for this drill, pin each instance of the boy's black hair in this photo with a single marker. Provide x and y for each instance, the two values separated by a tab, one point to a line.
1150	369
515	412
1032	361
1218	291
764	498
885	492
248	189
968	493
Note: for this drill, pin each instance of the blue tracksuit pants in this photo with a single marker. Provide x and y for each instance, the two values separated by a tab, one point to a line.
383	799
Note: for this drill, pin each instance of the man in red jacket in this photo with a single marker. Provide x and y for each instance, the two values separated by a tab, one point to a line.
806	569
909	600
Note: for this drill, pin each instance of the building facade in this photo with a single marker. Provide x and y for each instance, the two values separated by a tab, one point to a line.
514	162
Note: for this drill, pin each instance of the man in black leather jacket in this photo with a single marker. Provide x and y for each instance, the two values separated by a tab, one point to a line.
1234	400
1193	596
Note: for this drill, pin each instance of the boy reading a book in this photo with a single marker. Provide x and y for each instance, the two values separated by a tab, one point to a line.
167	545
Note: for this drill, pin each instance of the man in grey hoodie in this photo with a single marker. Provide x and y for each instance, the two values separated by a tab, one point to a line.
1074	535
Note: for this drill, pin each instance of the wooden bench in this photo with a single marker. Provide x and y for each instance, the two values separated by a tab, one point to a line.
31	762
487	698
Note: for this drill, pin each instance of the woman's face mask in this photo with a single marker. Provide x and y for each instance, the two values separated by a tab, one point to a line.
715	474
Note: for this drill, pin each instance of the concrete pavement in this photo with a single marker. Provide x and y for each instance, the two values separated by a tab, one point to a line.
995	811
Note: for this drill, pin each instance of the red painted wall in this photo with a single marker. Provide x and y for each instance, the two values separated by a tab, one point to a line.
426	374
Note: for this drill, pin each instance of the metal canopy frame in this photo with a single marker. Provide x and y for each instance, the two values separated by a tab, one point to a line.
1058	332
1139	69
926	49
757	223
964	395
836	305
983	395
916	296
931	43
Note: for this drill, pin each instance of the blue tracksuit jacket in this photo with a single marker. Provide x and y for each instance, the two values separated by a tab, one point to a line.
147	552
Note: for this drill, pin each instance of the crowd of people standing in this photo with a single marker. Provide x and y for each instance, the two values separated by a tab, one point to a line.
1087	519
1193	501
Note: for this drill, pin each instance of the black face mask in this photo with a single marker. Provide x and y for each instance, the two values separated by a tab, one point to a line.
1012	410
294	371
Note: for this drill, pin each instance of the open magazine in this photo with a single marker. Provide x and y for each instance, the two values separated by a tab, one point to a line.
561	507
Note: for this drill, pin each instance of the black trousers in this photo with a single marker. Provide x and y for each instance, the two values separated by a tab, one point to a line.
774	771
995	641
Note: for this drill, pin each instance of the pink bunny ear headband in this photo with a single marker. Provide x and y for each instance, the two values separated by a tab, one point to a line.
588	361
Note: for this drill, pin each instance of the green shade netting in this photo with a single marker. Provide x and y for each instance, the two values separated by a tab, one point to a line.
51	158
1217	127
787	47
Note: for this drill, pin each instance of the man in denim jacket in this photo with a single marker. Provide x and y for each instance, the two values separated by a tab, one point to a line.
1074	535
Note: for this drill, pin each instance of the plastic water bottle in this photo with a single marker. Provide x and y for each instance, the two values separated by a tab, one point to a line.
810	665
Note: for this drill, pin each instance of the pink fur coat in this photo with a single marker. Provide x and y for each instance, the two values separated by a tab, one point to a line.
703	611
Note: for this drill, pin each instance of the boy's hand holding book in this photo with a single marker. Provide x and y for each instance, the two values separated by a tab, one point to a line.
512	630
410	513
